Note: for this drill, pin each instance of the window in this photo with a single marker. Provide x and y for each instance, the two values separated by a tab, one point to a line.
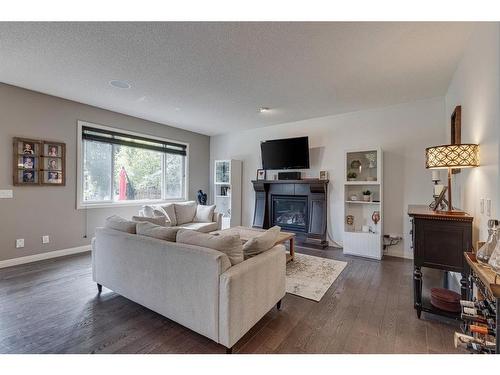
118	167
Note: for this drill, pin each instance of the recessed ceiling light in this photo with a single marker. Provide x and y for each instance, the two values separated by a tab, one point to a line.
264	109
120	84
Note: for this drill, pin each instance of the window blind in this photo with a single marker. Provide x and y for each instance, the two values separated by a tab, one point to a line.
108	136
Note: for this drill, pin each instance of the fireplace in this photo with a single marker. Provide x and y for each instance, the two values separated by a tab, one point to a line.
290	212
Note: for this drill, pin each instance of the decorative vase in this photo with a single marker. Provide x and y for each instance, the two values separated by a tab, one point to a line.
376	217
485	252
366	198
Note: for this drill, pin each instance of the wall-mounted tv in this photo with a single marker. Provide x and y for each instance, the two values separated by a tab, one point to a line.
289	153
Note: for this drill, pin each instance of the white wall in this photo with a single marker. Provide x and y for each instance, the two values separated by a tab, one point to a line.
403	132
475	86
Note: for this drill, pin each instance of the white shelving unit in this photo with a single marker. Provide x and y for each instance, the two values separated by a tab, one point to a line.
227	191
363	171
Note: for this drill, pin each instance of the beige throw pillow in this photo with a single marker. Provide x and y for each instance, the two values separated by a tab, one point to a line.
119	223
204	214
184	212
169	210
262	242
227	244
158	220
157	231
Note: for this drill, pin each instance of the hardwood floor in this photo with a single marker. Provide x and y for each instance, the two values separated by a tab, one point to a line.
53	307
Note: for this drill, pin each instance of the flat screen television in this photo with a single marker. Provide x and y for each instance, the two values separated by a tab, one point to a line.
289	153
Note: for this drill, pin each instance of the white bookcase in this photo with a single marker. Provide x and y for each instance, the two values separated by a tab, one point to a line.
227	191
363	172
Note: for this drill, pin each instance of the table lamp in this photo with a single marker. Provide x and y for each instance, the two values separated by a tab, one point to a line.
465	155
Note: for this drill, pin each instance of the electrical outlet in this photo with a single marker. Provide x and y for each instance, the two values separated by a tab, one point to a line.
6	194
45	239
488	207
19	243
481	205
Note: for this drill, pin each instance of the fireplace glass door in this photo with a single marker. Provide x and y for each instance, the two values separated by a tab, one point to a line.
290	212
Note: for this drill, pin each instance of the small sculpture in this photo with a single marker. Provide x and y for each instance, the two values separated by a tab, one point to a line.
376	217
202	198
349	219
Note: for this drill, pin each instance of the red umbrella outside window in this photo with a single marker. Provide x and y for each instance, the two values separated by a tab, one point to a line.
122	196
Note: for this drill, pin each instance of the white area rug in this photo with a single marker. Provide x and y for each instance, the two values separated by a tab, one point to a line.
310	277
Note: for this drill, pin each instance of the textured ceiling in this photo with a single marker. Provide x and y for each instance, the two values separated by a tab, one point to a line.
212	77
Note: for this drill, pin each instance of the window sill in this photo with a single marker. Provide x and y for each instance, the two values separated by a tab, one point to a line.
84	206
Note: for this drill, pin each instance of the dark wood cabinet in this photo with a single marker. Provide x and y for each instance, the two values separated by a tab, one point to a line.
439	241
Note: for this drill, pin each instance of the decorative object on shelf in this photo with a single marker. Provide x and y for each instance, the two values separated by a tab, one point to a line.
376	217
349	220
38	162
323	175
485	252
202	198
356	164
372	160
452	156
351	176
353	197
367	195
261	174
445	300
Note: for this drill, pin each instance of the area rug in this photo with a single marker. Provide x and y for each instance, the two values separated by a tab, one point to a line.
310	277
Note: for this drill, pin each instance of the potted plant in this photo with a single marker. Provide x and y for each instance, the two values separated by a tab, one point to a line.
351	176
367	195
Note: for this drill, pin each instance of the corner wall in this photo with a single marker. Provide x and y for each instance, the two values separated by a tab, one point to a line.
402	131
475	86
40	210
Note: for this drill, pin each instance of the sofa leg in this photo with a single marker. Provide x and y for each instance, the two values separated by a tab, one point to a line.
229	350
278	305
99	288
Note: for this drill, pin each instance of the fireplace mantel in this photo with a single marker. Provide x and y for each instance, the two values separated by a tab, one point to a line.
316	192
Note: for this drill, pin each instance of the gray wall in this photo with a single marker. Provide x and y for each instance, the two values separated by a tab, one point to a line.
40	210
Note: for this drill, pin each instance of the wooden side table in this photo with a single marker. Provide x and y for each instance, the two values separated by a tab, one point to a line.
438	241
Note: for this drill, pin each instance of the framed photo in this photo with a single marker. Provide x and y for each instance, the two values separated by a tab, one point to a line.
323	175
261	174
52	161
37	162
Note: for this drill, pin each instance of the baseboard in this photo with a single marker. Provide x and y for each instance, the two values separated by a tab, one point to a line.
43	256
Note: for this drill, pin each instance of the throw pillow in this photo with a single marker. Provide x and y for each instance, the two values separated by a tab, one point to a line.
204	214
184	212
157	231
158	220
227	244
261	243
119	223
169	210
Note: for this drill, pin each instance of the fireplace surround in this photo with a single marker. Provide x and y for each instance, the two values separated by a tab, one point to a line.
298	206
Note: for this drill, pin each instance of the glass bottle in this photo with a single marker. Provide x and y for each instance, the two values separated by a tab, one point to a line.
494	261
484	253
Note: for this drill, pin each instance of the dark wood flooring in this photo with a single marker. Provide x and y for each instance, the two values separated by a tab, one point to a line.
53	307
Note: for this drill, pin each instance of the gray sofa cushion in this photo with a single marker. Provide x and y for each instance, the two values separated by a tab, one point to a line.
228	244
158	220
204	214
119	223
261	243
184	212
169	210
157	231
201	227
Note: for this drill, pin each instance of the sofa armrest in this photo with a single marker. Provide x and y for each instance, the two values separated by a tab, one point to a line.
217	218
248	290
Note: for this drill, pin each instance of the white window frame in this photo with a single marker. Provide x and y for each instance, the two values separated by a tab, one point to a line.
81	204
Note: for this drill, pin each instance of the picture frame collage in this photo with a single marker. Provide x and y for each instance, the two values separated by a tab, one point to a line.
39	162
